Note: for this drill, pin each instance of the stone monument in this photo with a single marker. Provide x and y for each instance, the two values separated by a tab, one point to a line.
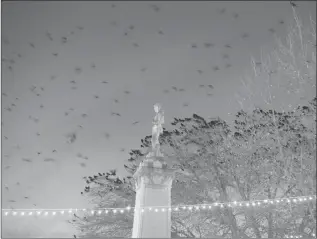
152	215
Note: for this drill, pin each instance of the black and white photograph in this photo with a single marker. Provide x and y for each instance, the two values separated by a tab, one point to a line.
158	119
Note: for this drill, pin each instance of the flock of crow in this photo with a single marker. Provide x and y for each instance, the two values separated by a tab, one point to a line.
9	62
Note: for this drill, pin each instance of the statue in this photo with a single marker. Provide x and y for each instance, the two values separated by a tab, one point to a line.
157	129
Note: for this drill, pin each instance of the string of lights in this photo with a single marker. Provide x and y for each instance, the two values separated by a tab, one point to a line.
297	236
254	203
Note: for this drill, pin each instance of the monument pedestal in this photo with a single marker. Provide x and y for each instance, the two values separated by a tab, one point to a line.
152	216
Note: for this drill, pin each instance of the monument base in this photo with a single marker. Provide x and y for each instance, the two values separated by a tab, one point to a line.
152	217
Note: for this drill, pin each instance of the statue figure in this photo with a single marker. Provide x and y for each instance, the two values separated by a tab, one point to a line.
157	129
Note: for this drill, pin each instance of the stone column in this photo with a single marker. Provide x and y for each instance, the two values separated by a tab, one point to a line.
152	216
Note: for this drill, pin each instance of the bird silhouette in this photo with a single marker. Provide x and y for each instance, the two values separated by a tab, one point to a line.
174	88
201	86
122	149
53	77
39	153
12	200
135	44
225	56
32	45
200	72
113	23
185	104
155	8
160	32
271	30
27	160
54	151
49	160
207	45
55	54
293	4
82	165
104	82
93	65
7	167
211	86
143	69
127	92
96	96
117	114
181	90
131	27
71	137
193	45
107	135
136	122
113	5
84	115
6	187
228	46
80	28
49	36
215	68
228	65
222	11
64	40
26	197
78	70
245	35
116	101
166	91
281	22
235	15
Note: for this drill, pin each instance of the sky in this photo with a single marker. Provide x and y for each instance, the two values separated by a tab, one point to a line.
114	58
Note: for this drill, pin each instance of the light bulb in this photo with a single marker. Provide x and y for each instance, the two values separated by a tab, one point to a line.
99	212
92	212
142	210
22	213
155	210
106	211
121	211
46	213
30	213
163	210
62	212
54	213
6	213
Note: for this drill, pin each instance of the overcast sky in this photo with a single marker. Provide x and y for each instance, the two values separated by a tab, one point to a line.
132	47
